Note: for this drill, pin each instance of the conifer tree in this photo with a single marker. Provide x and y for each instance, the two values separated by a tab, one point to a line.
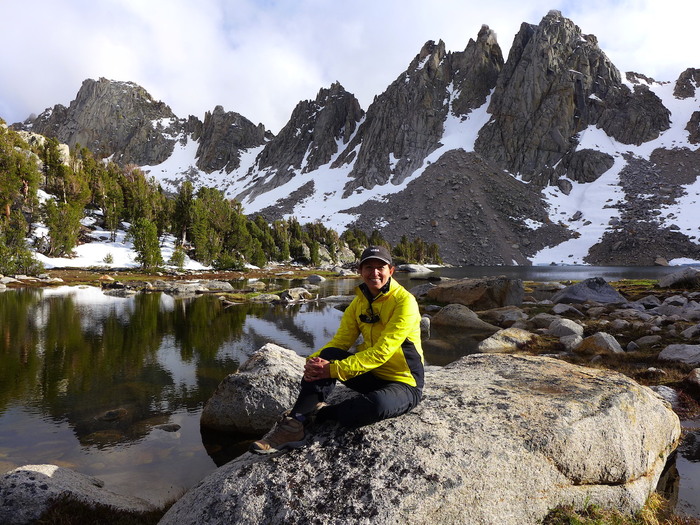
15	256
280	234
144	235
183	212
19	176
63	222
211	220
239	241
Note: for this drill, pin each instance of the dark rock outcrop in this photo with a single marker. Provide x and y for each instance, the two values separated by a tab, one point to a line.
114	118
687	83
585	165
556	82
309	140
634	117
693	128
223	135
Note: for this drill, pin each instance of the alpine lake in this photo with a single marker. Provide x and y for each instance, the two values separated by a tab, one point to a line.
113	387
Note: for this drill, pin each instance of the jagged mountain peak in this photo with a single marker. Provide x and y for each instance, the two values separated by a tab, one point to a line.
405	123
476	71
555	83
222	136
316	130
113	118
429	57
453	131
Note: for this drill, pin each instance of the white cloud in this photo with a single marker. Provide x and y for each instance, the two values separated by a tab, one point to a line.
260	58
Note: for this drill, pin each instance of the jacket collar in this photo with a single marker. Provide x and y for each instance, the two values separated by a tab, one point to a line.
382	291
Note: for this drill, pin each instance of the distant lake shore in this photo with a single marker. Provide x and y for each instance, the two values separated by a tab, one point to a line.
76	276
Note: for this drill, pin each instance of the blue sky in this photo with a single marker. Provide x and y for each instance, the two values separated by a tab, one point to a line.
259	58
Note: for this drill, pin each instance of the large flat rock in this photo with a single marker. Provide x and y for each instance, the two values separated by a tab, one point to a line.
498	439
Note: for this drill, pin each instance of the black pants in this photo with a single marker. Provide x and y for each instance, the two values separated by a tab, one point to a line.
379	399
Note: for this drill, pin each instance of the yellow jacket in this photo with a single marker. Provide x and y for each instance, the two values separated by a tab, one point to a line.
391	347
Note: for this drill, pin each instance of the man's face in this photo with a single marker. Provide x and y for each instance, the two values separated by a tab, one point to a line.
375	274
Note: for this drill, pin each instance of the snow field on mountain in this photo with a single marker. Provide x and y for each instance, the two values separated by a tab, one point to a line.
594	199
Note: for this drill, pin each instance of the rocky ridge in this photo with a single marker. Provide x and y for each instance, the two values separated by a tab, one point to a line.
405	123
555	83
114	118
122	120
308	141
555	86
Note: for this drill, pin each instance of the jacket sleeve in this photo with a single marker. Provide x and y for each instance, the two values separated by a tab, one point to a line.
401	324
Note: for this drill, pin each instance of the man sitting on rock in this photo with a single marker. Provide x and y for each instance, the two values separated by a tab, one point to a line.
386	370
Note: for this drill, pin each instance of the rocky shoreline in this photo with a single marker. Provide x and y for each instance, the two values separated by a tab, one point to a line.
647	331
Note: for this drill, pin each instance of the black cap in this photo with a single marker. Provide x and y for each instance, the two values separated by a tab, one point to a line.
376	252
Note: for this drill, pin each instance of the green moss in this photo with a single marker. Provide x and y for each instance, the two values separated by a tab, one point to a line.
657	511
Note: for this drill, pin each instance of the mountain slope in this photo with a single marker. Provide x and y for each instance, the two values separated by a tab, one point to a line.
549	156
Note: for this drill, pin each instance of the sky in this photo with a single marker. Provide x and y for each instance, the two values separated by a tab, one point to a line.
261	57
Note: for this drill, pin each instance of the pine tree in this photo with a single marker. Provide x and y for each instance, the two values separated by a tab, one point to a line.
144	235
183	212
211	221
63	222
376	239
15	256
280	233
239	242
19	176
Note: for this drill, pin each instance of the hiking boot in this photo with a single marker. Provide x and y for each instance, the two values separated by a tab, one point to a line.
287	433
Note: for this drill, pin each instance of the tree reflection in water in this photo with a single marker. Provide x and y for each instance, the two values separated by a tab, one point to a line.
127	378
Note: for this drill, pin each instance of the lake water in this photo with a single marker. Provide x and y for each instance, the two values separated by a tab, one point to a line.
96	383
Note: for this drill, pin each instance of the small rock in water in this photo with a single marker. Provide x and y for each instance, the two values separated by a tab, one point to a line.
169	427
112	415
